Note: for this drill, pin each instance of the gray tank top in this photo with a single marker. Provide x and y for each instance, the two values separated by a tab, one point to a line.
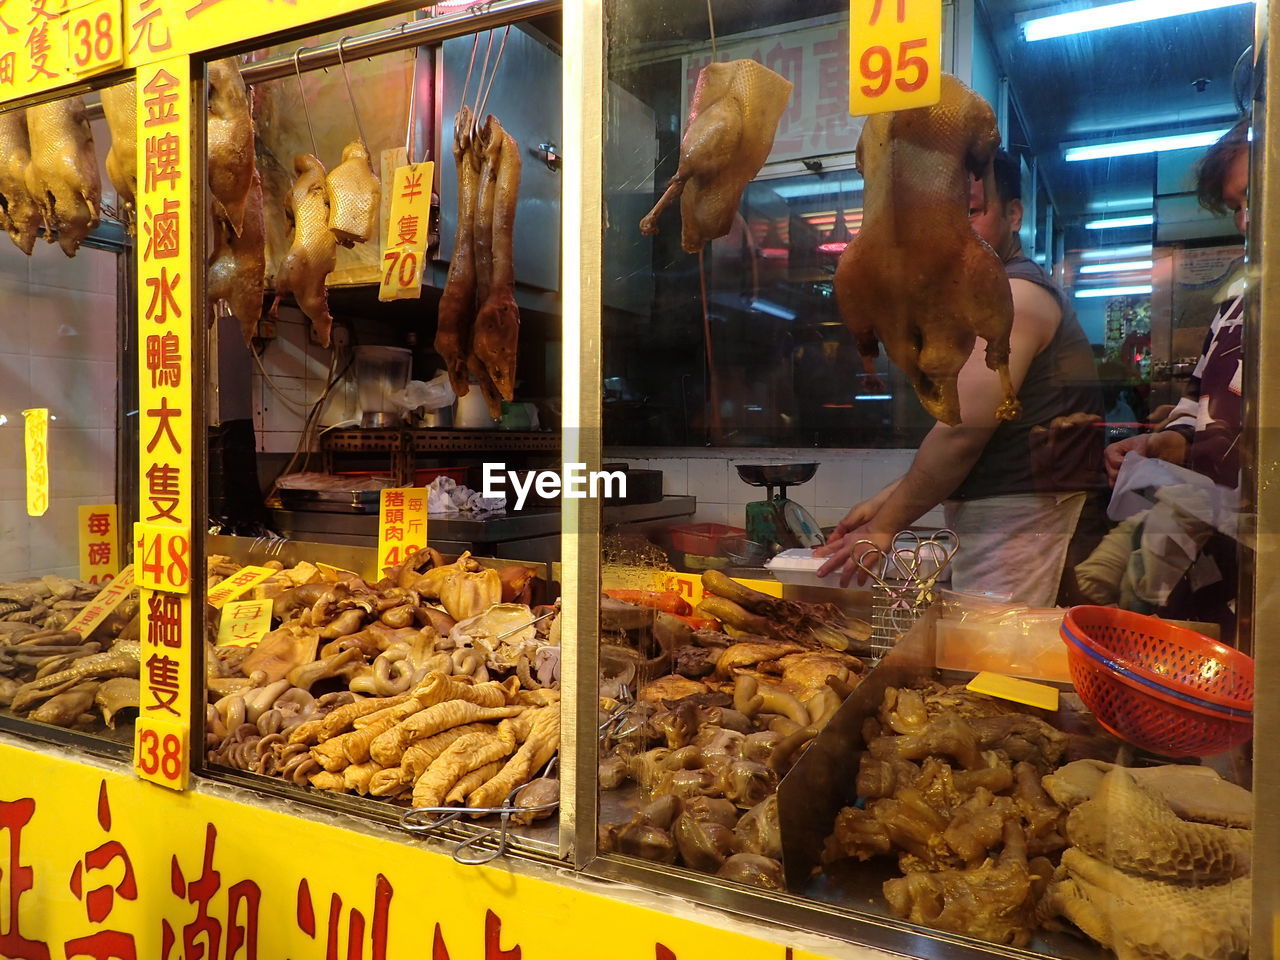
1062	380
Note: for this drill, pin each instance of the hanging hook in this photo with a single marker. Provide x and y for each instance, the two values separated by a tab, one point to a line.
501	47
711	25
350	95
297	68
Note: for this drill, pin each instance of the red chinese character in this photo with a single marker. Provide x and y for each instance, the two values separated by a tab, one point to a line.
99	524
99	901
493	939
394	532
162	155
8	68
415	504
38	45
164	360
243	577
242	631
99	554
162	230
163	491
407	228
395	498
247	611
164	620
202	937
164	413
162	681
200	7
306	919
395	515
143	26
412	186
163	96
14	815
5	23
162	295
833	76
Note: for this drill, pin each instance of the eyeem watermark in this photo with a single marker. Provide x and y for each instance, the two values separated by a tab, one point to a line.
573	481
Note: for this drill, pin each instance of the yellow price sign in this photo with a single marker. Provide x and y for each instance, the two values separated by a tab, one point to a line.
163	557
95	37
97	609
161	752
244	623
405	253
246	578
895	55
99	550
36	435
402	525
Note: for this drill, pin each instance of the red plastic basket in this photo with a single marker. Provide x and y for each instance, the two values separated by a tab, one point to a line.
703	539
1137	709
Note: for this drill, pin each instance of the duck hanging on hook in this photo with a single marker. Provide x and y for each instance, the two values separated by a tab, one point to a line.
355	193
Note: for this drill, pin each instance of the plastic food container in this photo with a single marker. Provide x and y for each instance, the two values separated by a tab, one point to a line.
702	539
1025	644
799	566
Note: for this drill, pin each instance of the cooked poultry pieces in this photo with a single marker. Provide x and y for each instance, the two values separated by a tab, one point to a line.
63	173
314	251
120	105
354	196
230	143
19	214
916	277
478	322
732	121
238	265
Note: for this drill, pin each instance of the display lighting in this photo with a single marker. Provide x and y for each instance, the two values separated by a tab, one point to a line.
1117	15
874	396
1133	203
1115	223
816	188
1118	267
1134	148
1117	253
1130	291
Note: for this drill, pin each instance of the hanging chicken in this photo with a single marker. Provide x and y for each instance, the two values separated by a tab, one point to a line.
354	196
19	213
732	121
120	107
916	277
314	251
63	173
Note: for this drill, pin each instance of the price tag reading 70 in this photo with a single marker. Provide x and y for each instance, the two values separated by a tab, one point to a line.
895	55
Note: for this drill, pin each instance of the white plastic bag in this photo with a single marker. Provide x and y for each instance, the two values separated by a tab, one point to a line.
429	395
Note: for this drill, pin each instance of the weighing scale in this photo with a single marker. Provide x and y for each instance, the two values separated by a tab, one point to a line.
778	523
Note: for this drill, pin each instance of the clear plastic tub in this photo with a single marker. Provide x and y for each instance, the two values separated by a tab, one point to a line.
380	372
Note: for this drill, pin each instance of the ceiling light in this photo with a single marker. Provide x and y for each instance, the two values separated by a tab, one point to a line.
1134	250
1133	291
1133	148
1133	203
1117	15
1116	267
816	188
1118	222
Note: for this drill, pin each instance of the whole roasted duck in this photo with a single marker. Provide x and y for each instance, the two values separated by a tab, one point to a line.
314	251
354	196
497	324
238	265
732	121
120	105
19	213
63	173
456	312
230	143
916	277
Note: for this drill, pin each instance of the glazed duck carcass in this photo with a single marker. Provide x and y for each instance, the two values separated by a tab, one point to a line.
63	173
120	105
19	214
916	277
237	265
314	251
456	312
497	324
230	143
732	121
354	196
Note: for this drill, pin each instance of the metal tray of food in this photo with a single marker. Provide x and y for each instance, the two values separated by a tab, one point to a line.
331	501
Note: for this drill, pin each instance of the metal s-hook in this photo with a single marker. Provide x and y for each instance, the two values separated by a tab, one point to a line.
351	95
297	69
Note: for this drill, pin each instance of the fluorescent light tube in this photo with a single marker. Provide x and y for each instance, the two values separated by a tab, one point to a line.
1133	203
1117	253
1116	15
1116	267
1133	148
816	188
874	396
1132	291
1117	222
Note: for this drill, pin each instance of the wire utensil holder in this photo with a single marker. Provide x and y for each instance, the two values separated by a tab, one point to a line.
903	580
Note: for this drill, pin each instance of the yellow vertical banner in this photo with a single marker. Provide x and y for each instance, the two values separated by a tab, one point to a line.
162	538
895	55
405	253
99	538
402	525
36	436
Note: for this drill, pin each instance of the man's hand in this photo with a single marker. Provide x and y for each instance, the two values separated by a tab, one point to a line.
860	514
846	550
1167	445
1114	453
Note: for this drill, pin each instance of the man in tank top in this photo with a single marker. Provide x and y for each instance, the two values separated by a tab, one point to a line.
1013	491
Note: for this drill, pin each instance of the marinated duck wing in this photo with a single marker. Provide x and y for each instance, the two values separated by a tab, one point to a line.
314	251
238	265
63	173
19	213
230	143
456	312
916	277
732	121
120	105
497	325
354	196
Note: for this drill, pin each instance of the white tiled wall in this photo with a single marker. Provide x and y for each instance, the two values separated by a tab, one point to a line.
844	478
58	336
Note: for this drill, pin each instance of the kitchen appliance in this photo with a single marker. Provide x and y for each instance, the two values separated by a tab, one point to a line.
380	372
777	522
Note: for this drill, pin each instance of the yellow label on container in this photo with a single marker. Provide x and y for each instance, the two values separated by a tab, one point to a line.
244	623
95	36
246	578
895	55
405	253
334	573
1019	691
96	610
36	433
161	752
99	542
402	525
